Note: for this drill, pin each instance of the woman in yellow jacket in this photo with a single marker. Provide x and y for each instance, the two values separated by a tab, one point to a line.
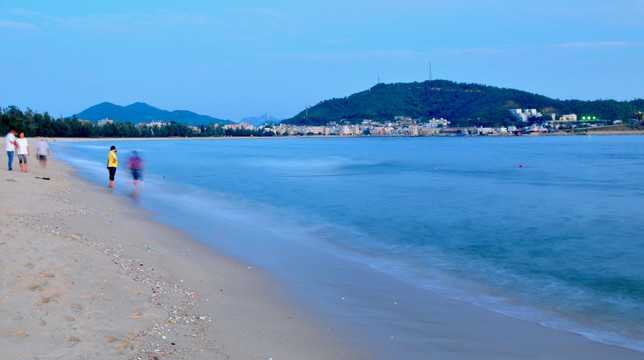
112	163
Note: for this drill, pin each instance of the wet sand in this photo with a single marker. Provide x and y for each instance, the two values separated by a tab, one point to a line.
87	275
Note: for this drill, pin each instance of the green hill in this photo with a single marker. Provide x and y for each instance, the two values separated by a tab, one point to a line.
143	113
461	103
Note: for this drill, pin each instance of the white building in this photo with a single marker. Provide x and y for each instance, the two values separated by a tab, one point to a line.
484	131
569	117
524	114
105	122
435	123
157	123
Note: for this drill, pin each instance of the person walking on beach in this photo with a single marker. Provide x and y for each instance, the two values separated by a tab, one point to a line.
42	149
11	145
136	168
23	152
112	164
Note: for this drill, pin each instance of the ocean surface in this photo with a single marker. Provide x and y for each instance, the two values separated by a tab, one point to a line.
545	229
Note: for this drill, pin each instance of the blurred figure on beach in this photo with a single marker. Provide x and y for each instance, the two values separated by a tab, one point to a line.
42	149
23	152
112	164
136	168
11	145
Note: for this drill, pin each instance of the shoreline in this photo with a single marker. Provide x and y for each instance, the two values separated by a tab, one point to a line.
91	277
232	309
578	133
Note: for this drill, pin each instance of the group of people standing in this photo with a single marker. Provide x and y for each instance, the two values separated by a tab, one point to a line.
20	146
135	165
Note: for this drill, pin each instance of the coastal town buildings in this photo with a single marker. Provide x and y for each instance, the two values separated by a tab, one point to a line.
534	123
399	126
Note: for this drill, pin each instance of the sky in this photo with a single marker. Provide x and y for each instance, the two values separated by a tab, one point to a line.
233	59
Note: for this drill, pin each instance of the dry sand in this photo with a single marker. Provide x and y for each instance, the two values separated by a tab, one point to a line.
86	275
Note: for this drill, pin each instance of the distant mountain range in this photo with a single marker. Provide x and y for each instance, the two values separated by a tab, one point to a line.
143	113
461	103
260	120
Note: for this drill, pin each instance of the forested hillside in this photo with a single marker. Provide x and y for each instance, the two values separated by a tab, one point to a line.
143	113
37	124
460	103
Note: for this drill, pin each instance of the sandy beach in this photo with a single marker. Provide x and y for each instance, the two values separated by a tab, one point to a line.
87	275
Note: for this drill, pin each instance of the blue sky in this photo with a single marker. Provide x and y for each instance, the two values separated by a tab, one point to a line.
232	59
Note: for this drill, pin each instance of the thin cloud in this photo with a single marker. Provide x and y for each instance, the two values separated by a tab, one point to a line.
226	22
259	19
596	45
341	41
16	25
22	12
120	21
342	56
599	44
476	51
260	13
600	13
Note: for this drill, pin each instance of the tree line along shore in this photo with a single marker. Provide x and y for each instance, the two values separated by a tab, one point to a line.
43	124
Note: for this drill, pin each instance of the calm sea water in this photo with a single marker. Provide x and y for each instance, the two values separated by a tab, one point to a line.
546	229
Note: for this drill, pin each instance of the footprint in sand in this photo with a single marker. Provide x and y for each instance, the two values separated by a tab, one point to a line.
110	339
48	299
14	315
76	307
44	300
34	286
71	341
